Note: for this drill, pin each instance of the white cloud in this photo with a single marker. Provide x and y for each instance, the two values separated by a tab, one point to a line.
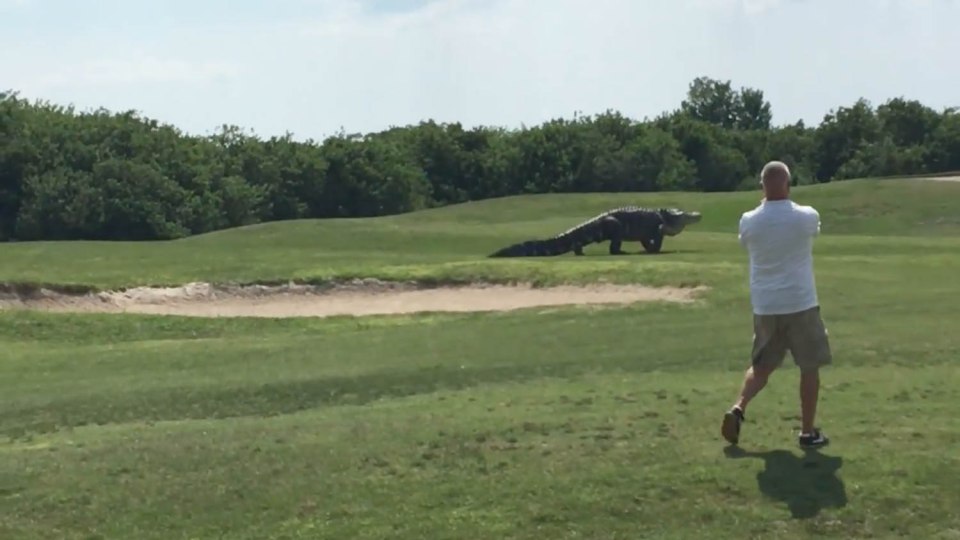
134	70
750	7
494	62
13	7
759	6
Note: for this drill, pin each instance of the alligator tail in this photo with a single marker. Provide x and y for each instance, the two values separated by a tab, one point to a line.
532	248
583	234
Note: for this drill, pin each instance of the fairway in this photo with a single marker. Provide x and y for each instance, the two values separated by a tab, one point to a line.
560	419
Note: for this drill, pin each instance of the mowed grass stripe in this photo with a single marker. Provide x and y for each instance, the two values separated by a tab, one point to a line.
616	453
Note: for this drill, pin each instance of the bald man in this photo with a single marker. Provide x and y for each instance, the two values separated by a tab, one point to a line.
778	235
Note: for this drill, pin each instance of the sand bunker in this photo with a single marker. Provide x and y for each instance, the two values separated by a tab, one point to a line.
356	298
943	178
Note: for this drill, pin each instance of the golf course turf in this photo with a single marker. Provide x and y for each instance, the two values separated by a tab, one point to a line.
550	421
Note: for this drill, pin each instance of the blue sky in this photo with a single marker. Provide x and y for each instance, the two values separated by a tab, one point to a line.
313	66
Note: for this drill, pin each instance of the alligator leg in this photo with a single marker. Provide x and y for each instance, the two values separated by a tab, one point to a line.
653	245
613	231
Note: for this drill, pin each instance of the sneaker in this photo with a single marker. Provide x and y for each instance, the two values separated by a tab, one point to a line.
813	440
731	425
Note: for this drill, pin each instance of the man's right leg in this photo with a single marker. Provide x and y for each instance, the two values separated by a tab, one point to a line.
809	393
769	350
810	346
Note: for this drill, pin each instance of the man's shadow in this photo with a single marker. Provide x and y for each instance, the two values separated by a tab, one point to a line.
806	485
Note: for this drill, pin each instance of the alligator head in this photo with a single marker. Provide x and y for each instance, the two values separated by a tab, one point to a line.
674	220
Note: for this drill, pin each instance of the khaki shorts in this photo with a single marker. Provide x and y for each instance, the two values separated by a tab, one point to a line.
802	333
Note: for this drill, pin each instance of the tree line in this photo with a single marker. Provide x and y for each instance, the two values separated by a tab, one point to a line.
107	175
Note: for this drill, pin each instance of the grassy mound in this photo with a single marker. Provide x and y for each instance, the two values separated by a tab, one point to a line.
451	244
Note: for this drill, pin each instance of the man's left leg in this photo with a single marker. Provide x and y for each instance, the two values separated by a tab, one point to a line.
769	350
753	382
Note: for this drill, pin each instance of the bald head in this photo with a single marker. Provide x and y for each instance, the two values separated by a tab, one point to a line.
775	179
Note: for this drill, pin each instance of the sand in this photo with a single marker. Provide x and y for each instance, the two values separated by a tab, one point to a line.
357	298
945	178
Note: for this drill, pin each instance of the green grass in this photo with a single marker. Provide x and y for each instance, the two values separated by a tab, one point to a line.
543	423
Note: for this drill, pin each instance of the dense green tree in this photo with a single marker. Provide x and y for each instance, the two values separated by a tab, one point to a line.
944	146
370	177
841	136
716	102
907	122
66	174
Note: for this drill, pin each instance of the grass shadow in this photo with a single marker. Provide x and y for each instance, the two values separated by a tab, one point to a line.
806	484
668	252
641	253
280	397
269	399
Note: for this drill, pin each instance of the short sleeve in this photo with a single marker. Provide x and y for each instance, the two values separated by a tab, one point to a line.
742	230
813	222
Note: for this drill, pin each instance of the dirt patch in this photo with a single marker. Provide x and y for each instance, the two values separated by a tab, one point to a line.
356	298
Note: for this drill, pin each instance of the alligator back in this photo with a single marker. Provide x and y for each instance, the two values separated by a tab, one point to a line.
587	232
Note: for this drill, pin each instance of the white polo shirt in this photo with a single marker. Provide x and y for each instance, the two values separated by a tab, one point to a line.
778	236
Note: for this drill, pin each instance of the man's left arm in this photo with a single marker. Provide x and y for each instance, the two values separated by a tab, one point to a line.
742	231
813	222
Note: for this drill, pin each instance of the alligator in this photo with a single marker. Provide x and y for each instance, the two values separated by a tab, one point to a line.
633	223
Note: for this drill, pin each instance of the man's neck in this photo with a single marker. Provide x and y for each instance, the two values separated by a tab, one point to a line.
776	198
